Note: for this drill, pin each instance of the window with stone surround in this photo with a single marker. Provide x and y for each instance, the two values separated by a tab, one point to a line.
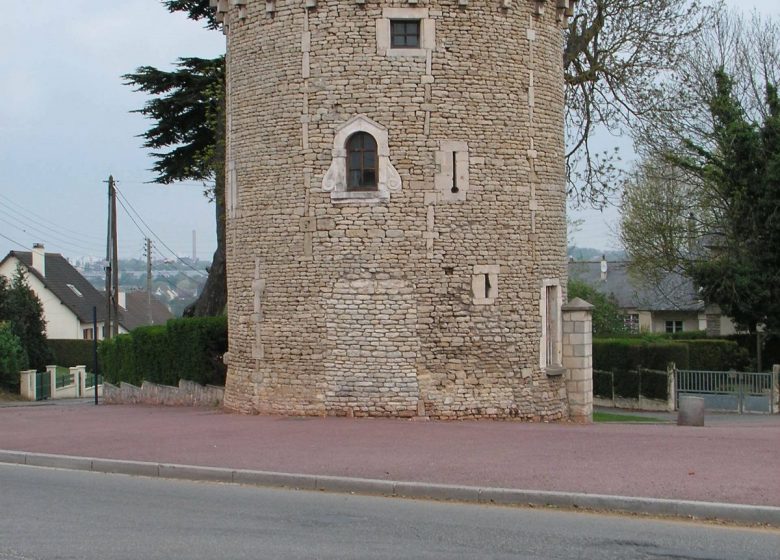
452	170
405	32
484	284
360	170
550	307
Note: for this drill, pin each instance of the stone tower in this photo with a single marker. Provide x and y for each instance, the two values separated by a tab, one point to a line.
395	199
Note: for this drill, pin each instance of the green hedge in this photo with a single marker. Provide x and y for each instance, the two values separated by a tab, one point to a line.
70	353
624	354
717	355
621	354
189	349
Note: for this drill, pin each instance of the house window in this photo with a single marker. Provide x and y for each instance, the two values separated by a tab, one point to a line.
674	326
631	322
362	171
405	34
88	334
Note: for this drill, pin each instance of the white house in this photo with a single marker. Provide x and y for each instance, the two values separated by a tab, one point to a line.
670	306
68	298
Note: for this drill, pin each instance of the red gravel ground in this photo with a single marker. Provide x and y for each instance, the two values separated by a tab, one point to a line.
728	462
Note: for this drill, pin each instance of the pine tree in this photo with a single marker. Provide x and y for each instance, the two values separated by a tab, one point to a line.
24	311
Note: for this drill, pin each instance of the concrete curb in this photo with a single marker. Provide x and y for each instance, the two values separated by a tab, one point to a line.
471	494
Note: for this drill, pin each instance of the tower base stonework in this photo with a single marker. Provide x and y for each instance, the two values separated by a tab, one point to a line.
396	233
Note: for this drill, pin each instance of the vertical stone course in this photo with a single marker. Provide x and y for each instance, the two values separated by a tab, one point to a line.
366	308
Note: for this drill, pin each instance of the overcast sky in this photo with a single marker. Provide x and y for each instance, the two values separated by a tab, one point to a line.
65	125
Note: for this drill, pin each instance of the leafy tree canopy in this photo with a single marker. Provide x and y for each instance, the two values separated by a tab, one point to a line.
607	317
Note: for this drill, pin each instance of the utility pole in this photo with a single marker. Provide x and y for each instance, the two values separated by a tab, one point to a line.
112	266
149	280
109	247
115	256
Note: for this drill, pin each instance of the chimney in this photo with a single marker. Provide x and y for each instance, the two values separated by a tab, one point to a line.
603	268
39	259
123	299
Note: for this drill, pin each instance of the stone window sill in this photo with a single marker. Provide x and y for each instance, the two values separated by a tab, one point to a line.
360	197
555	371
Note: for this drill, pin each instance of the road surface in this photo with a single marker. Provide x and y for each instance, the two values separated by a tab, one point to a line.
49	513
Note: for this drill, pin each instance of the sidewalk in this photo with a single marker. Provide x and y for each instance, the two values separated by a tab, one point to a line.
734	462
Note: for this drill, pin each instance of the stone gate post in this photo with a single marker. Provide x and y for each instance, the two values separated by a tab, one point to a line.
578	358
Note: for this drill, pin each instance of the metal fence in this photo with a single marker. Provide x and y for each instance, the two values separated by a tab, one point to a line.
729	390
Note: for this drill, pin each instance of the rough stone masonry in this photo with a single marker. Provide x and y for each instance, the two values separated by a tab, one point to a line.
395	194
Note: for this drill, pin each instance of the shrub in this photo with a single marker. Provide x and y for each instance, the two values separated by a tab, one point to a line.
190	349
717	355
70	353
602	383
13	358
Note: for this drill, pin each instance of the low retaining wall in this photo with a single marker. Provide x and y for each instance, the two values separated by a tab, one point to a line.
642	403
188	393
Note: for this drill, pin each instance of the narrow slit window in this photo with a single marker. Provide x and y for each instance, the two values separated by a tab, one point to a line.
487	286
454	188
405	34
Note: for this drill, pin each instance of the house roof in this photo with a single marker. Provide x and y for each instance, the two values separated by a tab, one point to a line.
78	295
65	282
673	292
137	310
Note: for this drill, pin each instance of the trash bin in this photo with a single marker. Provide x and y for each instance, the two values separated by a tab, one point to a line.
690	411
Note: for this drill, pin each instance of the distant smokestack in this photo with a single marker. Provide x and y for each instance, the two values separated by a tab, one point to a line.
604	268
39	258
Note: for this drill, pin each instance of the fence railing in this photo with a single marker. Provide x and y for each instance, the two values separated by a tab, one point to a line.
58	382
659	390
641	388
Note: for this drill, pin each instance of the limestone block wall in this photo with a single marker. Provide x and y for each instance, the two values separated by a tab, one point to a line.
425	296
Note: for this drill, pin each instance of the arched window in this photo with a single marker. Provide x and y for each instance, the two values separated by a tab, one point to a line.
362	162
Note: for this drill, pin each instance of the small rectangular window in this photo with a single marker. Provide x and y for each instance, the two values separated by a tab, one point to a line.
405	34
674	326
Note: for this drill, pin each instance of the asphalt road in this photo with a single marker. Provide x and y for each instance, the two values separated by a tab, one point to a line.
48	514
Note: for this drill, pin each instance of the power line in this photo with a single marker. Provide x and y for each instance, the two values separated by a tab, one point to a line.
123	197
30	214
46	237
14	242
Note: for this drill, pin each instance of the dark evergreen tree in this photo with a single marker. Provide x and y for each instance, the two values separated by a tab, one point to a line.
188	109
24	312
742	271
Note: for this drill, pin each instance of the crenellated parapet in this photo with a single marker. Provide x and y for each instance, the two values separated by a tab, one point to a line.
564	8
